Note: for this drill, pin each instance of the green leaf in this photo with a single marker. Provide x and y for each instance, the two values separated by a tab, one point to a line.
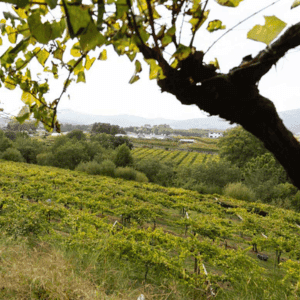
91	38
295	4
23	118
101	11
58	53
89	62
155	70
79	68
195	21
267	33
230	3
182	52
19	3
42	56
12	34
215	25
43	33
27	98
166	40
75	50
134	78
9	83
80	77
138	66
52	3
103	55
78	18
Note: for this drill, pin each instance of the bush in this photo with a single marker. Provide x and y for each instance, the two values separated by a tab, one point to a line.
239	191
77	134
69	155
12	154
45	159
106	168
12	135
126	173
5	143
156	171
29	148
141	177
123	156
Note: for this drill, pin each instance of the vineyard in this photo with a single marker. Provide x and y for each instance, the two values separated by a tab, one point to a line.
129	238
179	158
200	144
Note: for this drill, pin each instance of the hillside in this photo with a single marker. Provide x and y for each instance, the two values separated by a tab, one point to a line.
121	239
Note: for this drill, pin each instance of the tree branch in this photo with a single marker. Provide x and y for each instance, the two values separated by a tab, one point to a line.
254	69
152	23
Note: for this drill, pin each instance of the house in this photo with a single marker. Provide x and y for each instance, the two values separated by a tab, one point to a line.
215	135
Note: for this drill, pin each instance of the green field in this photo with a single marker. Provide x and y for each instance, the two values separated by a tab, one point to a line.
178	157
200	144
122	238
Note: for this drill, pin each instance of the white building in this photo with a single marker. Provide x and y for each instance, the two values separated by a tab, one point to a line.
215	135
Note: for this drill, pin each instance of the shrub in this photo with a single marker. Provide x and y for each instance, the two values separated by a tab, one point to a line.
91	167
45	159
156	171
29	148
106	168
69	155
126	173
123	156
77	134
239	191
12	154
141	177
5	143
12	135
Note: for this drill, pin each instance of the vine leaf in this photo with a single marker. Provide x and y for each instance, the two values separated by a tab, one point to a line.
52	3
182	52
229	3
19	3
215	25
267	33
44	32
295	4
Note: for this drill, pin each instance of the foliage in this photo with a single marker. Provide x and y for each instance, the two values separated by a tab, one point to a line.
123	156
28	126
126	173
12	154
110	141
263	168
29	148
77	134
156	171
239	191
69	155
106	128
12	135
239	146
152	240
106	168
5	143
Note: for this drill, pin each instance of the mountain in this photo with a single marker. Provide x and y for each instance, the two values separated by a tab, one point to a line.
73	117
291	119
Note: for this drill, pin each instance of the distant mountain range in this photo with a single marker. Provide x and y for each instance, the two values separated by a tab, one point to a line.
73	117
291	118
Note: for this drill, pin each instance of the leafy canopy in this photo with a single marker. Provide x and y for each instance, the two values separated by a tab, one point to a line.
43	31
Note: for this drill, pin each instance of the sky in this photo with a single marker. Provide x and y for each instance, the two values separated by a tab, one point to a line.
107	90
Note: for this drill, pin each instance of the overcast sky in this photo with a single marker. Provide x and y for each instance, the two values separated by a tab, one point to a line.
107	91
